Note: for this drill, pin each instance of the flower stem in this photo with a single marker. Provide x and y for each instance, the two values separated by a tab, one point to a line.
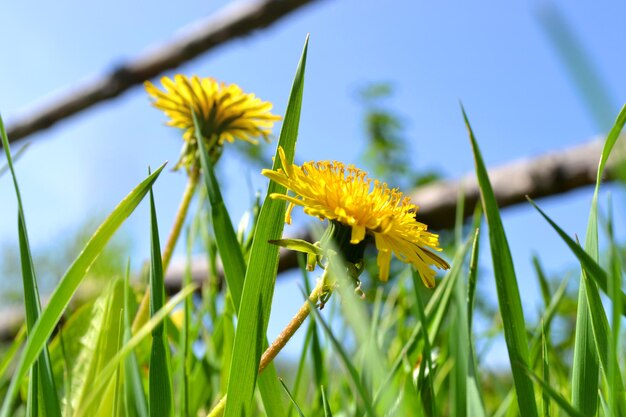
181	214
270	353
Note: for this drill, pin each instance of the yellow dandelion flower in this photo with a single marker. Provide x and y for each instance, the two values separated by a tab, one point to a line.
329	190
225	111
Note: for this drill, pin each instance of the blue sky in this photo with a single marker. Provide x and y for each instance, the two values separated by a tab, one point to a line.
495	58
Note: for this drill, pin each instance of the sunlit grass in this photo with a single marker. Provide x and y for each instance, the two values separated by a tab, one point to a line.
370	349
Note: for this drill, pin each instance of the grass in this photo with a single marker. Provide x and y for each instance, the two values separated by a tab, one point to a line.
372	350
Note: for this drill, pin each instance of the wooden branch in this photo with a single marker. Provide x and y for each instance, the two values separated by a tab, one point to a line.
547	175
235	21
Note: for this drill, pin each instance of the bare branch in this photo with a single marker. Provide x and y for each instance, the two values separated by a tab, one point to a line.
232	22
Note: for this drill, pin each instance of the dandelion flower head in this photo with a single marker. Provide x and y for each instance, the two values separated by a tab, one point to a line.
330	190
225	112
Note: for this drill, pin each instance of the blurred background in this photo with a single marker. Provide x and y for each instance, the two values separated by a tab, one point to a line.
533	76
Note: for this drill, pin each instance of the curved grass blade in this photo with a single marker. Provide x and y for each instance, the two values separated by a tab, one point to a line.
42	383
594	271
558	398
263	264
507	288
160	378
69	284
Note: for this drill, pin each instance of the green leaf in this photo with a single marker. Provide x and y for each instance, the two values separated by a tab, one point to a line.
353	374
227	243
293	401
327	410
160	378
42	378
298	245
134	396
186	339
234	266
261	273
594	271
615	382
602	336
585	370
427	352
558	398
475	404
69	284
144	331
5	168
546	371
435	311
98	344
507	288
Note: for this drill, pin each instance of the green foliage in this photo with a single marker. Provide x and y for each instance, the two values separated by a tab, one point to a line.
370	349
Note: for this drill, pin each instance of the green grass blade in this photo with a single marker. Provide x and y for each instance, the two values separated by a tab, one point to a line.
594	271
186	355
435	311
234	266
135	401
293	401
475	404
98	344
353	374
43	382
260	277
585	370
9	355
16	156
546	371
227	243
327	410
143	332
68	285
427	355
543	281
569	409
160	379
615	284
472	279
507	288
602	338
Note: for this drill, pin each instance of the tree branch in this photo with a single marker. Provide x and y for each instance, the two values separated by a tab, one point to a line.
232	22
